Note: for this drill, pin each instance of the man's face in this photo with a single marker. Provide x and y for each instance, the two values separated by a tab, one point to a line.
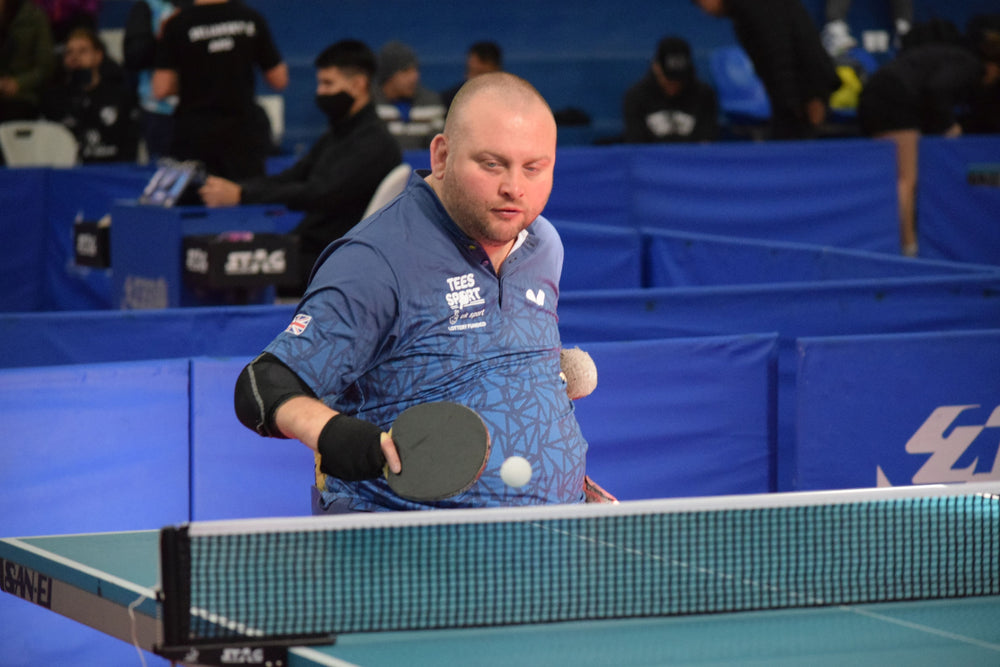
496	170
81	54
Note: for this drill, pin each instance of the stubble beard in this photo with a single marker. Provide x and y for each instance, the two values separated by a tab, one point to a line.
473	217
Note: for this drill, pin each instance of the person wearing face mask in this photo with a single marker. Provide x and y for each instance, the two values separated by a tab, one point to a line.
336	179
94	102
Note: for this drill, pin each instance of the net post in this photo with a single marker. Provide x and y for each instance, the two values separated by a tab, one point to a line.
175	584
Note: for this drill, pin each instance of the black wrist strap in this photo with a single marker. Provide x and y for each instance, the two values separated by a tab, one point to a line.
350	449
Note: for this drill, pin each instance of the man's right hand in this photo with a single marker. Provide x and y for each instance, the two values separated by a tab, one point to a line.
217	192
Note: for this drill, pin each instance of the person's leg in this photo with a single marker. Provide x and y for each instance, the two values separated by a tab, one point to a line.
907	146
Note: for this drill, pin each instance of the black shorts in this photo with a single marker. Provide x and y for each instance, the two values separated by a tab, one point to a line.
230	146
887	105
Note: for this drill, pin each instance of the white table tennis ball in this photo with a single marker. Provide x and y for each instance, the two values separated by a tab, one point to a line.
515	471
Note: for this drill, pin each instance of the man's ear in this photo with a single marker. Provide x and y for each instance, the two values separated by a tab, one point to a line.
439	155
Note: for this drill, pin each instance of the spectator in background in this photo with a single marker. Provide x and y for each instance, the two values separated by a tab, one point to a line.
335	181
917	93
26	59
207	56
669	104
782	42
983	114
94	101
143	29
412	113
836	35
481	58
67	15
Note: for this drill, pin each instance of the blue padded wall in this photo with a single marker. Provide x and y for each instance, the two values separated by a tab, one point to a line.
897	410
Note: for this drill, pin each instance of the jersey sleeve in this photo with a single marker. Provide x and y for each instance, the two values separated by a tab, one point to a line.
267	53
346	321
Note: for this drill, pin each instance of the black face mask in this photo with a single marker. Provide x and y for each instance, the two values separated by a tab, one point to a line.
81	78
336	106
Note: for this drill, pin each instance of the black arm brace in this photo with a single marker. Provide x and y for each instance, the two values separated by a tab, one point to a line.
266	383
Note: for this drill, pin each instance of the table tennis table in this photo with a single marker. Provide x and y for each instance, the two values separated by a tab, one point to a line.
110	581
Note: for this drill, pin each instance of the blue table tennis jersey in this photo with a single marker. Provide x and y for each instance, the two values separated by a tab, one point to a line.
407	309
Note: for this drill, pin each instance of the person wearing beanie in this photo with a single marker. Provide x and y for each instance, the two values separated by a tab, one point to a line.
670	104
413	113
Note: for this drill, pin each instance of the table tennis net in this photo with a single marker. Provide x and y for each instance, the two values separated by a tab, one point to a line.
277	578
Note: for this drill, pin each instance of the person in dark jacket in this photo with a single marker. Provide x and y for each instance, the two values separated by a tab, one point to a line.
94	100
917	93
783	43
336	179
669	104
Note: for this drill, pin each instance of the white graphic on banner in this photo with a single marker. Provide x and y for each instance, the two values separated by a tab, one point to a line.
946	450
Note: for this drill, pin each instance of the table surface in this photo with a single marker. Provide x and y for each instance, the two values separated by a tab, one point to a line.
121	569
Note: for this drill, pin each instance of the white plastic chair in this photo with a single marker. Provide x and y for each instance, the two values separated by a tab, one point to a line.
38	143
393	183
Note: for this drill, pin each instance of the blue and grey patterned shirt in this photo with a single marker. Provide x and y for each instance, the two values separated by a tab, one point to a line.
407	309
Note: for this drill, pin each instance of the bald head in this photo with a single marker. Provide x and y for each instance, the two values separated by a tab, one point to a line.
494	88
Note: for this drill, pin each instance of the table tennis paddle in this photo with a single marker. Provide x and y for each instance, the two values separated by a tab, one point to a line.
443	448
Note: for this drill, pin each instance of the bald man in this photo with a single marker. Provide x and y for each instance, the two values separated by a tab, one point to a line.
449	293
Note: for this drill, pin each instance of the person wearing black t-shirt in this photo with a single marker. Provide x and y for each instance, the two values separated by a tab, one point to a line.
207	56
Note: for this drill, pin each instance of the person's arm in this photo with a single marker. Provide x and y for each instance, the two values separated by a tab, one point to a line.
271	399
165	83
139	44
329	433
330	177
269	59
277	77
42	62
219	192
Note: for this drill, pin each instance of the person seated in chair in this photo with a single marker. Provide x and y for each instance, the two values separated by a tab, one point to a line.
669	104
336	179
413	113
94	101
